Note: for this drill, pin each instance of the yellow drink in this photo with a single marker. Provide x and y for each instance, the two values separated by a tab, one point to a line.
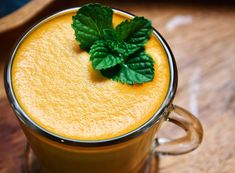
67	100
57	87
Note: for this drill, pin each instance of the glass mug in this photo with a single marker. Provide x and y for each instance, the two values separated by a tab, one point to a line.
124	154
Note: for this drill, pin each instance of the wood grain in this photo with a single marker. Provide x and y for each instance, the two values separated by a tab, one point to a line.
202	38
22	15
12	141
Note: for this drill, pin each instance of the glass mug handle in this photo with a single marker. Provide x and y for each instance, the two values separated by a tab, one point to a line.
185	144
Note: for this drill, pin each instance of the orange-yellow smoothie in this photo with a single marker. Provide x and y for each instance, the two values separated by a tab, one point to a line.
56	86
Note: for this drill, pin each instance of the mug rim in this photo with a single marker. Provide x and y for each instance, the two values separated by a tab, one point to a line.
26	120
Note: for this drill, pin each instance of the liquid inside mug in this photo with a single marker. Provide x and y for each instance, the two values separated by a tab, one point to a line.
123	154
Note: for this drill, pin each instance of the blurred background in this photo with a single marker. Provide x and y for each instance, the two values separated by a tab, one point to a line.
201	35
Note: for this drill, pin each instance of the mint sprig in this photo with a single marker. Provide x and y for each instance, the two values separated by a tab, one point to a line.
118	53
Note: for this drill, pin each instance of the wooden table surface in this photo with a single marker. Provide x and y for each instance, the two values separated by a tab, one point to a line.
202	38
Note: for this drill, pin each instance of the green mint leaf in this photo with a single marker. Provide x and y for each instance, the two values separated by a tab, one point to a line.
108	53
135	31
110	34
122	47
89	23
137	69
103	57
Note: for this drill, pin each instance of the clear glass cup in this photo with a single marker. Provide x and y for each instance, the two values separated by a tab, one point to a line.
124	154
